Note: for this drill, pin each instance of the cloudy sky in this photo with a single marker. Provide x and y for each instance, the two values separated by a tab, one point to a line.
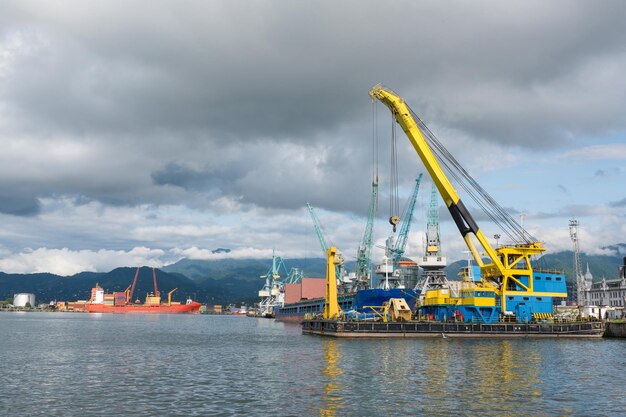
143	132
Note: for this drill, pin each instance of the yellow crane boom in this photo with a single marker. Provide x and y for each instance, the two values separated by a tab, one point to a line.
169	296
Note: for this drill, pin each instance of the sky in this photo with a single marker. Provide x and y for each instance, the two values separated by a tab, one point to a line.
142	133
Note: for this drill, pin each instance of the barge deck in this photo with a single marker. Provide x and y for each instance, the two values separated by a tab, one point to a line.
355	329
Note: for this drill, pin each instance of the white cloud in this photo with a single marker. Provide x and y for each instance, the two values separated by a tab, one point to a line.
615	151
159	232
90	123
68	262
241	253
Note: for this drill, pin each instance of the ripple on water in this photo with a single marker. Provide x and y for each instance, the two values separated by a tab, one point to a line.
94	365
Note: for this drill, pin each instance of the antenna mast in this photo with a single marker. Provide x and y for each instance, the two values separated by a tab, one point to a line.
579	278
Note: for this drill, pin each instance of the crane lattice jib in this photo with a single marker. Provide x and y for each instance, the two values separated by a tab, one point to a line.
507	263
400	246
320	235
274	272
318	229
365	249
433	241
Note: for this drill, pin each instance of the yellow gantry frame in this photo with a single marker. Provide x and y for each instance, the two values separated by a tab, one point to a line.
507	263
331	307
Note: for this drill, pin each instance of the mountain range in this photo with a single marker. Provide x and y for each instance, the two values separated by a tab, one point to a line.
227	281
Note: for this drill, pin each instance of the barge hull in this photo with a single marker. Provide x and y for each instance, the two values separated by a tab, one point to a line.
347	329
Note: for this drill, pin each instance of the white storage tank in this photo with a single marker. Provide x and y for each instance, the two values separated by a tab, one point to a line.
20	300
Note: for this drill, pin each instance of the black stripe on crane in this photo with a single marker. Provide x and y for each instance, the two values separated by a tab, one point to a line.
463	219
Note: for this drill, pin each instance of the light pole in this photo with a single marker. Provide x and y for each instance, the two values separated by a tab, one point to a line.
497	238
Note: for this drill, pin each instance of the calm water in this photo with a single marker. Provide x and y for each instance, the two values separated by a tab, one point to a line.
177	365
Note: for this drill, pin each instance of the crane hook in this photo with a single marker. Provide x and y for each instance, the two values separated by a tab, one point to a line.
394	220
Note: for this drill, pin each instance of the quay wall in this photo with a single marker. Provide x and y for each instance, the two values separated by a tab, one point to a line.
615	329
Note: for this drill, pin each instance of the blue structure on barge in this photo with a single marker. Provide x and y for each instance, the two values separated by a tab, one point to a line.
358	301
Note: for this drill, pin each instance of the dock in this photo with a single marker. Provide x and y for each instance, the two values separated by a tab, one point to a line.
376	329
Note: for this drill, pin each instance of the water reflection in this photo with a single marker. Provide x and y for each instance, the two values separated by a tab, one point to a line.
509	375
479	376
436	375
332	399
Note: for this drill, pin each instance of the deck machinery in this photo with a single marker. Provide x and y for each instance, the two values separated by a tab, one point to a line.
504	286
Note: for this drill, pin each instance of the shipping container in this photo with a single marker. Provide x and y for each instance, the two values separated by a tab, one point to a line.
312	288
293	293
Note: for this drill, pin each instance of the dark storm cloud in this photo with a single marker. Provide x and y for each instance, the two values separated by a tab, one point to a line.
287	70
19	205
228	87
190	179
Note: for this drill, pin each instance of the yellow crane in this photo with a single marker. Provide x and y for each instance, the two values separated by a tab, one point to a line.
509	271
169	296
331	307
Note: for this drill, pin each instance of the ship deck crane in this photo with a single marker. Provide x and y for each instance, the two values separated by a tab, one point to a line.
509	271
129	298
156	289
397	251
339	273
169	296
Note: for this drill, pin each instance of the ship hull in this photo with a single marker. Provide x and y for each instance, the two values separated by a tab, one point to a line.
192	307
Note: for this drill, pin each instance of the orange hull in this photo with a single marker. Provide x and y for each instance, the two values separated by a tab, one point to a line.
193	307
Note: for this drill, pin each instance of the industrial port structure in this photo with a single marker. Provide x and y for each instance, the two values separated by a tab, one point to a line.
505	287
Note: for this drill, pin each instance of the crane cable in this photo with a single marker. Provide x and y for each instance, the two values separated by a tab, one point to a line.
491	208
374	142
394	205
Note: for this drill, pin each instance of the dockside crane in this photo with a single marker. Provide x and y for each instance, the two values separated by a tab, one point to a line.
272	293
397	250
508	272
433	239
432	263
364	251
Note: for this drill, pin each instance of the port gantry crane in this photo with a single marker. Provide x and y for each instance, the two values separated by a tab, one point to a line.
432	263
364	252
272	293
508	272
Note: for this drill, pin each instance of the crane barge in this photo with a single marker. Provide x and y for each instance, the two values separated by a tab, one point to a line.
502	294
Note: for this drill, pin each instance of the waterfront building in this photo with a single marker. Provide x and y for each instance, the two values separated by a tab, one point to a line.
608	292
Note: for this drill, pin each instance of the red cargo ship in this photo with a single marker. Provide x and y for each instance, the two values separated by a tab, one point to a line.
120	302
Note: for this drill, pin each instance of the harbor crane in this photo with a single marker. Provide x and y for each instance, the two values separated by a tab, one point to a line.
364	251
432	263
508	271
272	293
